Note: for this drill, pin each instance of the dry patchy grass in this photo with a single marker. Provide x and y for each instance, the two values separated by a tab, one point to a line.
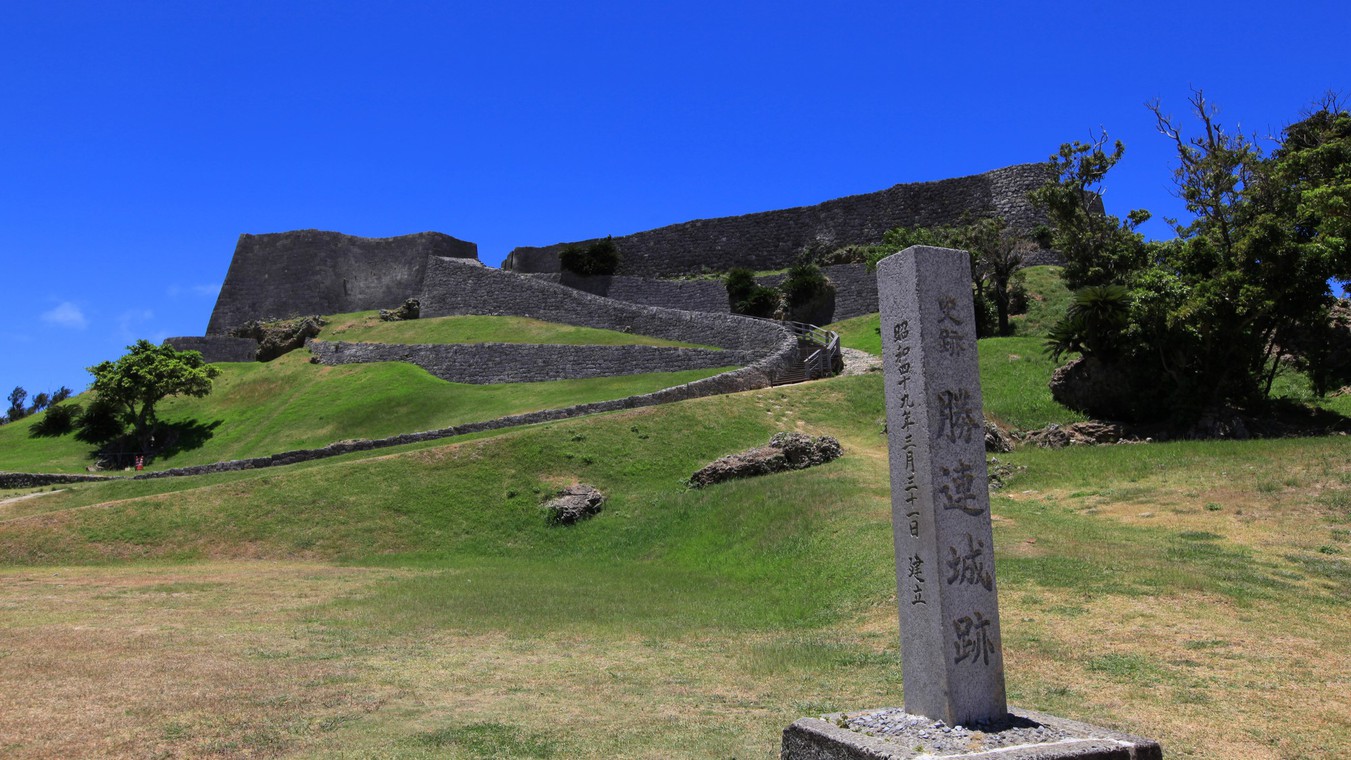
243	660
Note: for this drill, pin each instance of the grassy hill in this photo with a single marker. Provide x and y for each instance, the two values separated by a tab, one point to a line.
416	603
257	409
365	326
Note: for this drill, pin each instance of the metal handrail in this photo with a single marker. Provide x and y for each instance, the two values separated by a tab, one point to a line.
823	362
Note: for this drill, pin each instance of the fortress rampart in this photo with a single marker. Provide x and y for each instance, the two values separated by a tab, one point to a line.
454	287
287	274
771	239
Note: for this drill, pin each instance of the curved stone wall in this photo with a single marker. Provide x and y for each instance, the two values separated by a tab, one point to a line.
771	239
289	274
691	295
491	363
453	287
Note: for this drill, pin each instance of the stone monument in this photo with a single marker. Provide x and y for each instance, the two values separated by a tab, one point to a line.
951	655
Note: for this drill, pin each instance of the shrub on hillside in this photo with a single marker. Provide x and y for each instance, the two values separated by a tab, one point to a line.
808	296
599	258
58	420
746	296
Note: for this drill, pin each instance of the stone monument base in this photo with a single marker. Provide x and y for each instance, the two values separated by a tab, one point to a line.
891	734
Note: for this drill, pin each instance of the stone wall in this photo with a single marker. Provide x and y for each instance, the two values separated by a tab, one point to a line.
490	363
289	274
692	295
454	287
855	290
771	239
217	348
40	479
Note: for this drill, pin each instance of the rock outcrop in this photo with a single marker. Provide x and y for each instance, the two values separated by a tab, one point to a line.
786	451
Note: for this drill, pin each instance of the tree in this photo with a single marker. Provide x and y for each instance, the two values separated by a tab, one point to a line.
808	295
17	410
146	375
996	256
1098	248
746	296
599	258
1209	316
40	402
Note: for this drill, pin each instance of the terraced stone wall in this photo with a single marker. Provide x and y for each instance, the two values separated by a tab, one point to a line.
489	363
453	287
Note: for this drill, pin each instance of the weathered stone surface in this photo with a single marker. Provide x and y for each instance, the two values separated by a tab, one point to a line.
1090	433
287	274
1088	385
786	451
1062	739
279	337
1053	436
410	310
996	440
771	239
217	348
949	612
39	479
574	504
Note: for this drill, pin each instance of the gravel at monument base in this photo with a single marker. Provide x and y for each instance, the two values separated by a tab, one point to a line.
938	738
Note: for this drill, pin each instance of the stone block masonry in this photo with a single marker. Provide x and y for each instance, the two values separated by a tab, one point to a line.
288	274
490	363
454	287
41	479
855	290
217	348
771	239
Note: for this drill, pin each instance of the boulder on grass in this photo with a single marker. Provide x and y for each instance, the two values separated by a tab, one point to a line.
786	451
574	504
411	309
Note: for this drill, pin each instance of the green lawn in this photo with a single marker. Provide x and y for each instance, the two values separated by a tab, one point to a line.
366	327
1154	588
263	408
1014	373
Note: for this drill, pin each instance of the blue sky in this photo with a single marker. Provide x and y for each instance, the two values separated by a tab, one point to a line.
141	138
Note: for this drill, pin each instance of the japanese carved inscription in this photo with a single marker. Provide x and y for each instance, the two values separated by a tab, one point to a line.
949	616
